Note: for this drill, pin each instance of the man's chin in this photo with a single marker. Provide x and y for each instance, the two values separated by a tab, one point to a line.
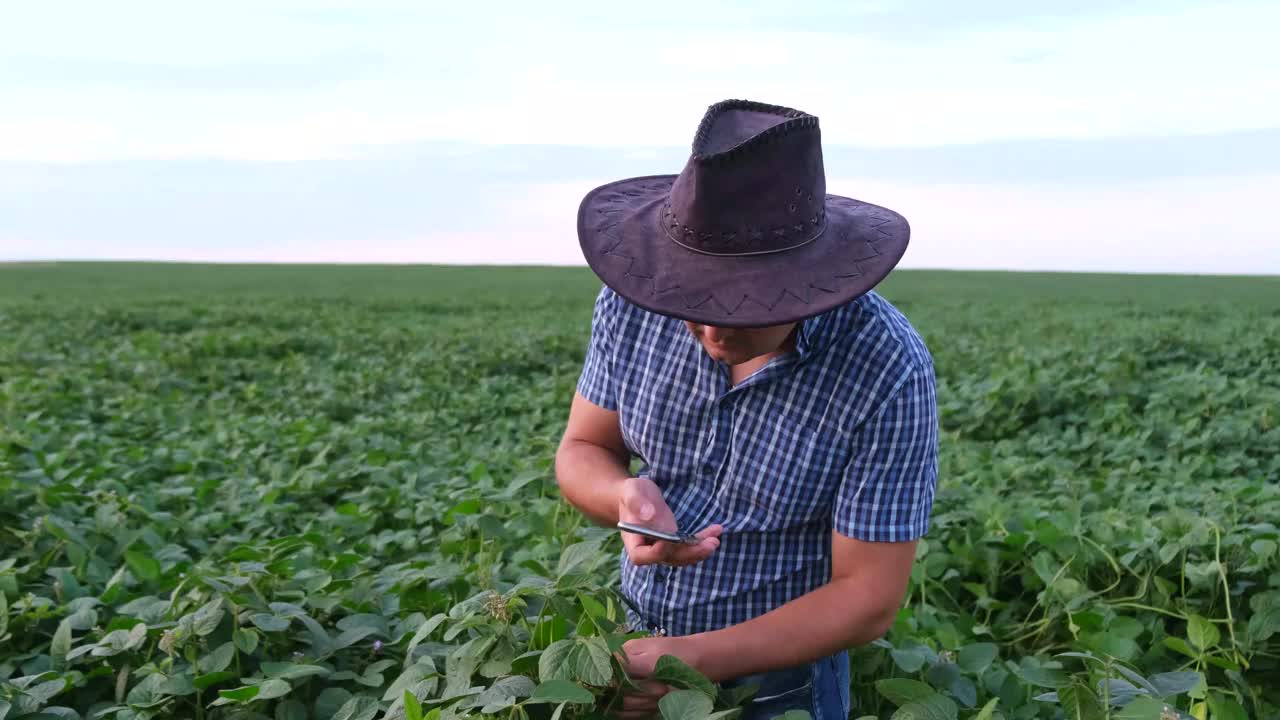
729	357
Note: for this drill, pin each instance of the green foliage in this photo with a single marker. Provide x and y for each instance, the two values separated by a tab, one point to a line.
301	493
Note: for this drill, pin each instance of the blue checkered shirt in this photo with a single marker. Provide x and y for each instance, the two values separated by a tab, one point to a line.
841	434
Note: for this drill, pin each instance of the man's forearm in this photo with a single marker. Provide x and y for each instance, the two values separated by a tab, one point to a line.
845	613
590	478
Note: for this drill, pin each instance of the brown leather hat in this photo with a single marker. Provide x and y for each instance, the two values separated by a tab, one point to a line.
746	235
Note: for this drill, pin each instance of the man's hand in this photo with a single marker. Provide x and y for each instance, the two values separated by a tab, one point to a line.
641	503
640	657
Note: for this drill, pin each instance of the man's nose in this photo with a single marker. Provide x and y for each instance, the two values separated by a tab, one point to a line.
714	334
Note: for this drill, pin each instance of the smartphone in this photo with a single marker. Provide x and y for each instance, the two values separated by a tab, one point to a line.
655	534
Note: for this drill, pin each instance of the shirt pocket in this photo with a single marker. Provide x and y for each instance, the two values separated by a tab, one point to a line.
784	479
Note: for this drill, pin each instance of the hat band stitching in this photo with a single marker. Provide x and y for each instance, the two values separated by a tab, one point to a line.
801	244
819	221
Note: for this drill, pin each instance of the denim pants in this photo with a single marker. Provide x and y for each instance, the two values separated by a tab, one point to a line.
820	688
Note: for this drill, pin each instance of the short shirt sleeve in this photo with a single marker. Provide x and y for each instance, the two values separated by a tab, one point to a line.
886	494
596	383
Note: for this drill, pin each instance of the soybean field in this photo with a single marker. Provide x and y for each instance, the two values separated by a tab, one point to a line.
293	492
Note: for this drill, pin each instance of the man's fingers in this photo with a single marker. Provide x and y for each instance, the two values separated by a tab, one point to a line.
690	554
641	702
711	531
643	551
642	554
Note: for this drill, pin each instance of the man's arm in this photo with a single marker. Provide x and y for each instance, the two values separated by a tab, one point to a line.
592	461
593	474
857	606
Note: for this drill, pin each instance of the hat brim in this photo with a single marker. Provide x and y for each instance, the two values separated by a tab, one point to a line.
624	243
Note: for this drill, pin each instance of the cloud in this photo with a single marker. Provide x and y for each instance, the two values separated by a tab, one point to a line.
604	78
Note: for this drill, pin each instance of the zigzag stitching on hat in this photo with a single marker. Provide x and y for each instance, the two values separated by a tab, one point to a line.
808	290
631	263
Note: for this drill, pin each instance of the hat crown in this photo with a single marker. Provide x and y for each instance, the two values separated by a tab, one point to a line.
754	183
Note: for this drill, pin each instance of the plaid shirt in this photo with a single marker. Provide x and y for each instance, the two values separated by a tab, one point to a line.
841	434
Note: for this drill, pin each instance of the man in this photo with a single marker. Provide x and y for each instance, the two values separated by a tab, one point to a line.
774	401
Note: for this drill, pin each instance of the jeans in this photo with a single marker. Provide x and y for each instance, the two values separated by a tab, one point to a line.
820	688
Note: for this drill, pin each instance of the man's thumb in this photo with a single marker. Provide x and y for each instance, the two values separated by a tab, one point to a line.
640	505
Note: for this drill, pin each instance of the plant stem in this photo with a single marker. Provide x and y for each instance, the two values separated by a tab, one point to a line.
1226	597
1140	606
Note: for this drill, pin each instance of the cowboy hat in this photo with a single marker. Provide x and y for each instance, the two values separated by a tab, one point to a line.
745	235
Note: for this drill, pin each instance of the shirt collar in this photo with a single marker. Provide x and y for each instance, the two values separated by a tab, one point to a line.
814	334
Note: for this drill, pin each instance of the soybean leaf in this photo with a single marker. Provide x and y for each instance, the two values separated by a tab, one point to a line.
273	688
207	617
1175	683
1041	676
934	707
556	661
1142	708
218	660
912	659
1140	682
1080	703
202	682
988	710
412	708
576	556
976	657
61	644
1120	692
410	678
359	707
593	664
685	705
143	566
504	693
269	623
350	637
244	693
245	639
1179	645
292	671
673	671
901	691
561	691
41	693
1223	707
1202	633
329	700
423	631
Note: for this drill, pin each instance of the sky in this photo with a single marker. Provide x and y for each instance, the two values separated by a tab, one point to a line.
1080	136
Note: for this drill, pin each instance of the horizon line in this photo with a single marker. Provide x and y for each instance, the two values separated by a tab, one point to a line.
584	266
